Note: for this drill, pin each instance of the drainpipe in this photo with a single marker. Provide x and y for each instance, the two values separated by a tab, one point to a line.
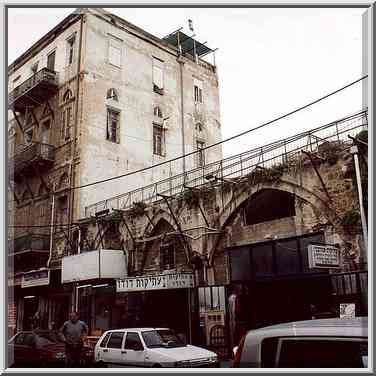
354	152
181	63
72	181
52	225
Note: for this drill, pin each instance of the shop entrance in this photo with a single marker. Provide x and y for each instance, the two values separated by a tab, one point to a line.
166	308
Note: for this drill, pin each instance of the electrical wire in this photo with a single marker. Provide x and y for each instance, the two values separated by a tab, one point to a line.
225	140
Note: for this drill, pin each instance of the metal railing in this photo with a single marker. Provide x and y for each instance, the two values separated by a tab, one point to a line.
29	242
283	152
44	75
34	152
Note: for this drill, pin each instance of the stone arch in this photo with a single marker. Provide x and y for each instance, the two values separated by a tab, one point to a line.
315	200
163	216
113	94
67	95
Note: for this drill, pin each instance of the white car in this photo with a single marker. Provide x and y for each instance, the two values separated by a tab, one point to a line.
149	347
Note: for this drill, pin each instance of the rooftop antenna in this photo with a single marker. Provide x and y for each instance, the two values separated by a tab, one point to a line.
190	25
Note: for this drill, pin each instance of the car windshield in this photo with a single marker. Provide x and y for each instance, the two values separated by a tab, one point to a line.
161	338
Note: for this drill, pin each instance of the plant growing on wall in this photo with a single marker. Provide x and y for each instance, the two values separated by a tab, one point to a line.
191	197
351	220
137	209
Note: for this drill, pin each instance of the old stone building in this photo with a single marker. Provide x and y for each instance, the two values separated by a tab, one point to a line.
94	98
249	221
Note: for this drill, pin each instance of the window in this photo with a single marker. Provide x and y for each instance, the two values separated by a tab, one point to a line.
197	86
63	208
112	94
201	153
66	123
158	112
158	140
70	49
116	340
113	125
322	352
158	76
66	117
133	342
114	52
51	61
240	264
167	256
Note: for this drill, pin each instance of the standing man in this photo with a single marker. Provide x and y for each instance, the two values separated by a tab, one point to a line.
74	332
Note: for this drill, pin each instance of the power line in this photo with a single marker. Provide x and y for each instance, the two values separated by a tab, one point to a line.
225	140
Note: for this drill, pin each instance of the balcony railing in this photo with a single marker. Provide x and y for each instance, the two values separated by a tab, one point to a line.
37	154
34	90
28	243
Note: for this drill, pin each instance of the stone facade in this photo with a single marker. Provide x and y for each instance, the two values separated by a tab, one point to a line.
223	205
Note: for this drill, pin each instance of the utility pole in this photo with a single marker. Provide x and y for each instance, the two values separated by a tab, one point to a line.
354	151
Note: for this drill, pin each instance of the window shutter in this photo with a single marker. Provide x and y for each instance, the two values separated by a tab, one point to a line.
158	73
114	52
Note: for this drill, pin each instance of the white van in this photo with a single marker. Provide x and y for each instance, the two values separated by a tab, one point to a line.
323	343
149	347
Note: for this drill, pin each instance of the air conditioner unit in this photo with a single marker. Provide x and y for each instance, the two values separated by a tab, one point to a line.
211	319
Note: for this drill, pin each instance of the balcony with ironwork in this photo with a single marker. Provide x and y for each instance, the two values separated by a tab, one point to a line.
36	155
34	91
28	252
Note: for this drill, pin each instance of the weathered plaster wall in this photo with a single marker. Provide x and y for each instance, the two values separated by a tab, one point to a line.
101	158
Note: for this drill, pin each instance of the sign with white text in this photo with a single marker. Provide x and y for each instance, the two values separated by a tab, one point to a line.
36	278
155	282
323	256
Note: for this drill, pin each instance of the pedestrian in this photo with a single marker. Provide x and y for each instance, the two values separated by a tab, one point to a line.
73	332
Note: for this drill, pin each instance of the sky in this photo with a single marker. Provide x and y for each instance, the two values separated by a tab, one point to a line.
270	61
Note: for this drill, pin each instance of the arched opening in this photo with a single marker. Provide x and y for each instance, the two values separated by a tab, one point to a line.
267	205
67	95
112	94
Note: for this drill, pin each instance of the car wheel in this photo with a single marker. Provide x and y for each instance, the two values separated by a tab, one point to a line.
101	364
157	365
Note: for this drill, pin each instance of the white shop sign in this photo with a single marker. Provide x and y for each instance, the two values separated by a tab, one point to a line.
36	278
323	256
155	282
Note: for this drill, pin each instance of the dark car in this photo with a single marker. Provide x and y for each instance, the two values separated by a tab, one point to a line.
42	348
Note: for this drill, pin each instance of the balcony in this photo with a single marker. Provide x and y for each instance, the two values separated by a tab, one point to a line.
28	243
34	91
28	252
38	155
104	263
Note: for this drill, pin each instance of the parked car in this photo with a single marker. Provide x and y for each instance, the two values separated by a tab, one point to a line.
339	343
41	348
150	347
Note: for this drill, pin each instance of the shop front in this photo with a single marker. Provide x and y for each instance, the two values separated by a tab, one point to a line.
276	281
159	300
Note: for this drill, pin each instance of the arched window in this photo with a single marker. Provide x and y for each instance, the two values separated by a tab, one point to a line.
67	95
112	94
199	127
66	116
158	112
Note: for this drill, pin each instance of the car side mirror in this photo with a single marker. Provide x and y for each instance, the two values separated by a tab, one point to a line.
235	350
